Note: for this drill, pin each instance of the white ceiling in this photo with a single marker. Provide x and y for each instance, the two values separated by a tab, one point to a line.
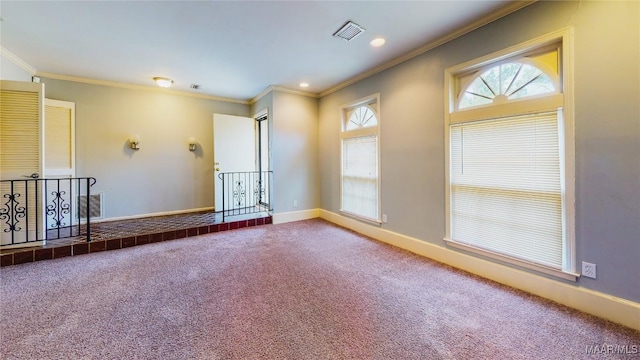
234	49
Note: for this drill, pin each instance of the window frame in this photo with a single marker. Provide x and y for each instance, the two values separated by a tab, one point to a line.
372	102
561	100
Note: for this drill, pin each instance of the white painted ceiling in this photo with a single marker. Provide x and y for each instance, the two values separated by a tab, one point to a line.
233	49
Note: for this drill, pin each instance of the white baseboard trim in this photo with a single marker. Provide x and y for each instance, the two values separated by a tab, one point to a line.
279	218
164	213
618	310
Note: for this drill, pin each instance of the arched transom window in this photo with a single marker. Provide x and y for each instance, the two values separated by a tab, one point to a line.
362	117
516	79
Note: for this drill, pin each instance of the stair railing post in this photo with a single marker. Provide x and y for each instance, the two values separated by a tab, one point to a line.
88	207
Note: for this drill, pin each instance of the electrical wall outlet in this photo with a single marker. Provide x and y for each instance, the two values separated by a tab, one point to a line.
384	218
295	203
588	270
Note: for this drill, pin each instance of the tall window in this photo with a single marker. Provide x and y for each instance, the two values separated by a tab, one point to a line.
360	159
510	158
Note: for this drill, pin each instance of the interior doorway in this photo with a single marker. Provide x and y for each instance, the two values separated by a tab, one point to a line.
234	151
242	152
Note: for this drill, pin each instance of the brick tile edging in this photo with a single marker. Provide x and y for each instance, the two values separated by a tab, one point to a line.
38	254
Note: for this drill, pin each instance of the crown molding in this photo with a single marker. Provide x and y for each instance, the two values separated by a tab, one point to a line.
137	87
16	60
281	89
511	8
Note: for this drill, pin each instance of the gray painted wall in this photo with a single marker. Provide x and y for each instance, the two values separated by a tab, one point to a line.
294	149
295	152
163	175
607	109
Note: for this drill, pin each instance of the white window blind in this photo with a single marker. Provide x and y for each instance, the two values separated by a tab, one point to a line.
506	187
360	176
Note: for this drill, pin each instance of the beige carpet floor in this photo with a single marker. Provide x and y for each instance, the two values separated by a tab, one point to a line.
303	290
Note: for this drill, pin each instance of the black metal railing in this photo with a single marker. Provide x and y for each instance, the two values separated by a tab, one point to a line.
246	192
33	210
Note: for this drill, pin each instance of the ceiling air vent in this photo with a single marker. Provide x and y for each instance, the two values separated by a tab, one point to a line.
195	86
349	31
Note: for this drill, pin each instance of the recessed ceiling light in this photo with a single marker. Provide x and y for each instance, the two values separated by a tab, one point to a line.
163	82
304	84
377	42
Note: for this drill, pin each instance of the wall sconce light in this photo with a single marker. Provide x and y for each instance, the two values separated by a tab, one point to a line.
134	142
192	144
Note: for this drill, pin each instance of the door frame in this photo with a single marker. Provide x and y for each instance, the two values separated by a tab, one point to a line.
262	120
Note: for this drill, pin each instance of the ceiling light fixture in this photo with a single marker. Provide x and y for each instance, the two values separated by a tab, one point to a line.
377	42
163	82
304	85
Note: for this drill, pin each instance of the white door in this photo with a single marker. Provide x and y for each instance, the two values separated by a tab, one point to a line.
60	164
234	151
21	157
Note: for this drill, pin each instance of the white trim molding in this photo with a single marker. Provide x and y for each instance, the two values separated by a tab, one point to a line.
518	262
271	88
618	310
285	217
16	60
137	87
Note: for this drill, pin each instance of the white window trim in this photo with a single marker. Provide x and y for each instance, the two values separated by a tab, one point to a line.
566	37
375	98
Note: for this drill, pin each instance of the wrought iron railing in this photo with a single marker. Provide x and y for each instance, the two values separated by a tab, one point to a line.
246	193
36	210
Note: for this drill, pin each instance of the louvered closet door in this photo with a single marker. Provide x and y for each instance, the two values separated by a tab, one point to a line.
21	145
59	138
59	162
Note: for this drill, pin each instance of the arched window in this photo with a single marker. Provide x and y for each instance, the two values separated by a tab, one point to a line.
362	117
501	83
360	173
509	160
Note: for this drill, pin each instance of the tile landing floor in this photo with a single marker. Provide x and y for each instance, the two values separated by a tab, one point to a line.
112	235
